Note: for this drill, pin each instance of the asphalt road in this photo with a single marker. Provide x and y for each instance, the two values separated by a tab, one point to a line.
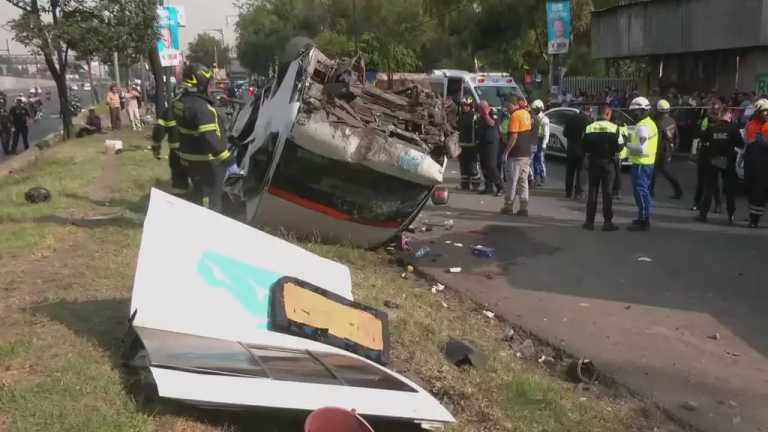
677	314
51	122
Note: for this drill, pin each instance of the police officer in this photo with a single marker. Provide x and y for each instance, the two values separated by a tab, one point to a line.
669	140
166	127
5	129
468	158
602	143
702	166
489	150
202	149
717	155
20	116
574	134
642	146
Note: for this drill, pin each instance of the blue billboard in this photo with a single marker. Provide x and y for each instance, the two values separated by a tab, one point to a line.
558	26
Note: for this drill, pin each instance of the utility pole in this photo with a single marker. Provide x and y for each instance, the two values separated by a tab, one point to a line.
354	26
116	62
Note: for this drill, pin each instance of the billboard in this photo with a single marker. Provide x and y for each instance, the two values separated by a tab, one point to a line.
558	26
168	36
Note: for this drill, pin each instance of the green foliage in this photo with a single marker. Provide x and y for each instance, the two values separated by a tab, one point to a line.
206	48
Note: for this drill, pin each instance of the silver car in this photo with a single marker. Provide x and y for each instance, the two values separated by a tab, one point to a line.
558	117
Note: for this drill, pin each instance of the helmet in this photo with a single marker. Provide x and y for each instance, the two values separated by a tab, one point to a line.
640	103
663	106
197	76
761	105
537	105
467	101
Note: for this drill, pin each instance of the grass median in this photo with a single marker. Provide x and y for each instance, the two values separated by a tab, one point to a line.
67	277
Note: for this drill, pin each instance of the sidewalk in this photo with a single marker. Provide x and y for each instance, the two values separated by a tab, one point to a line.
684	326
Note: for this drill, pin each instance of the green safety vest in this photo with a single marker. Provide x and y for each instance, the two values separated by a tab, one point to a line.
602	126
624	131
651	146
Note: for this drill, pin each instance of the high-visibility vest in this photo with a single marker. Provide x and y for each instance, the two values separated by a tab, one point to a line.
624	131
651	146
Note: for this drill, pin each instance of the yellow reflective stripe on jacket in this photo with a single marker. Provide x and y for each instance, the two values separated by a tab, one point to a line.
174	146
205	157
166	123
215	121
602	126
210	127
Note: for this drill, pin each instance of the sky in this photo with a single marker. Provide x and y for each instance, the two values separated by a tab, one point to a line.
201	15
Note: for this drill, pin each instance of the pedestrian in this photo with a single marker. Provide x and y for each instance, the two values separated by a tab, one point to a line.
523	134
133	100
202	150
92	124
642	149
113	102
668	141
602	143
20	117
573	132
718	155
488	145
756	163
539	163
702	166
6	128
468	158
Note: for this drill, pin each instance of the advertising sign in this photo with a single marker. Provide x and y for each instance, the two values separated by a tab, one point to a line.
761	84
558	26
168	36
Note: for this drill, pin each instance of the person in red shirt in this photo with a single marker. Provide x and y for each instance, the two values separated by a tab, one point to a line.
759	173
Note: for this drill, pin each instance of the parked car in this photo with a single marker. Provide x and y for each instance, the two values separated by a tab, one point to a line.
558	117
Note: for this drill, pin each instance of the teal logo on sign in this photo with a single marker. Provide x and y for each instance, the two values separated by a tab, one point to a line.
247	284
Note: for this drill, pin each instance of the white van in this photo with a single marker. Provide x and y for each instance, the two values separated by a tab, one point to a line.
494	87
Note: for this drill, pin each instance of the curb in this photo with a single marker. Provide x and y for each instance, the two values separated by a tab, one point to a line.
18	163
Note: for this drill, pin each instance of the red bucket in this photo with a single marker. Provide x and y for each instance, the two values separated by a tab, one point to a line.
335	420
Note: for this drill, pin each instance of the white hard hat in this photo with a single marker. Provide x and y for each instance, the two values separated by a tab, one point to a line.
761	105
640	103
538	105
663	106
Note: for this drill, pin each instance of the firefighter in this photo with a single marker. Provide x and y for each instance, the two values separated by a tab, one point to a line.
602	143
202	148
752	130
166	127
642	150
669	140
468	158
759	172
717	157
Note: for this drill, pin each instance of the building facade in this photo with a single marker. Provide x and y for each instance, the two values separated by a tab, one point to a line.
692	45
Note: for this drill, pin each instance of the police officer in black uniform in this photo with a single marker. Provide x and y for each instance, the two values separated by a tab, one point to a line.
489	150
20	115
602	142
717	158
203	149
5	129
468	158
574	133
166	127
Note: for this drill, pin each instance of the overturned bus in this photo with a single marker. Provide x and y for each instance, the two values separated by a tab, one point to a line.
323	155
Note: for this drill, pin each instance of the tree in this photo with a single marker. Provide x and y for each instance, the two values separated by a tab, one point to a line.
206	49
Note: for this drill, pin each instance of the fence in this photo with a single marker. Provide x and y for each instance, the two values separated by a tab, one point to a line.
595	85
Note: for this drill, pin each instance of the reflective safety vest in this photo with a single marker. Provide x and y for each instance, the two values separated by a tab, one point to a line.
624	131
651	146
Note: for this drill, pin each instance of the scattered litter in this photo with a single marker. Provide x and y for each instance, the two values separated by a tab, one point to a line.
113	146
690	406
459	244
645	259
390	248
445	305
733	354
463	353
546	360
37	195
405	243
489	314
584	304
715	336
583	370
509	335
410	269
391	304
733	404
422	252
404	276
437	287
448	242
483	252
454	270
627	307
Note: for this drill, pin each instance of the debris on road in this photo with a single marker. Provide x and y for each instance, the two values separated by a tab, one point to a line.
627	307
249	310
37	195
733	354
464	353
454	270
437	287
410	269
113	146
459	244
489	314
404	275
483	252
509	335
715	336
391	304
690	406
584	371
645	259
422	252
546	360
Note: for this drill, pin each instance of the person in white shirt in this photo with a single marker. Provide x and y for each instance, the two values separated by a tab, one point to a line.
539	166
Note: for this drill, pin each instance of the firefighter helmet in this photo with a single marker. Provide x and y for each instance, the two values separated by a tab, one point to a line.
197	76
